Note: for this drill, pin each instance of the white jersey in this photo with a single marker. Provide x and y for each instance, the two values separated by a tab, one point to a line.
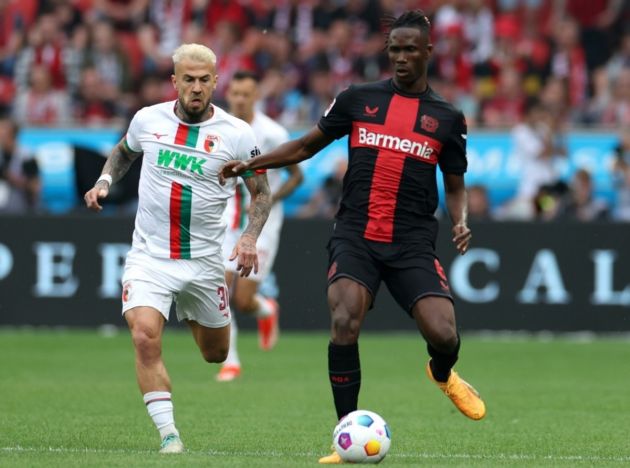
180	200
269	135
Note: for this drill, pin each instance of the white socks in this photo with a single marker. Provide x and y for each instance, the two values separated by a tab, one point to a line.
232	357
160	408
264	308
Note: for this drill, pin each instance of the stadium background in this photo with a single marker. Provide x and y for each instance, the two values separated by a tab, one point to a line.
72	72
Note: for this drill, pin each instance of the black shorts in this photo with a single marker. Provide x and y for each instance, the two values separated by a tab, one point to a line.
410	271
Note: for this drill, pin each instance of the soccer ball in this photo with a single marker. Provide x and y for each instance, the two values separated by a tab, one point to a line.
362	437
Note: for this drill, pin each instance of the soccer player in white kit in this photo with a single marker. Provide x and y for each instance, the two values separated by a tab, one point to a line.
179	228
242	95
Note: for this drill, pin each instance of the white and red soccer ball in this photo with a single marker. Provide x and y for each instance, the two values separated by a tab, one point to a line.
362	437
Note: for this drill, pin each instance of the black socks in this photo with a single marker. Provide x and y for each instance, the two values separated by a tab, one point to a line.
442	363
344	370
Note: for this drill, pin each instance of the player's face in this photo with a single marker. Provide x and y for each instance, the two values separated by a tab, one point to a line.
241	97
409	51
195	82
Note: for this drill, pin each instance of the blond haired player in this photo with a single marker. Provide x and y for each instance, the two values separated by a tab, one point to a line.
176	249
242	95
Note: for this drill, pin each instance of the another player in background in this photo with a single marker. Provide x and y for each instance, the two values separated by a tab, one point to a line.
399	131
242	95
176	250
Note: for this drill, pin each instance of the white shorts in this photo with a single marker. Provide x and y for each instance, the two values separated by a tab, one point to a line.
266	246
197	286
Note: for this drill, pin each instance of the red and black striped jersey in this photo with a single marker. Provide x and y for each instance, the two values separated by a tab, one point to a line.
396	140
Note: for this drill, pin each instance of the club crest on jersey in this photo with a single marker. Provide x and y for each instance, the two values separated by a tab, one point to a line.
210	143
429	124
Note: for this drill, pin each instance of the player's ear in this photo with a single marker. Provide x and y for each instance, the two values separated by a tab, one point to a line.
174	81
216	80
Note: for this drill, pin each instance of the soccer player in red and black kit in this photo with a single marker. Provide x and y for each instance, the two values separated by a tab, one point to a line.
399	131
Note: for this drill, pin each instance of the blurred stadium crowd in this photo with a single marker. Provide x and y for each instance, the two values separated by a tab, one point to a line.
538	67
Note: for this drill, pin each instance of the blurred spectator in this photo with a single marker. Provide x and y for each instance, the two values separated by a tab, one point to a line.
621	58
231	56
478	203
325	202
533	146
39	103
45	48
550	201
96	102
621	177
19	173
106	55
321	86
163	32
554	95
596	19
341	54
506	107
474	19
125	15
617	113
451	60
15	19
582	204
568	60
593	110
233	11
294	19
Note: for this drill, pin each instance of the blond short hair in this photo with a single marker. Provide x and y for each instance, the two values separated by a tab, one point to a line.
196	52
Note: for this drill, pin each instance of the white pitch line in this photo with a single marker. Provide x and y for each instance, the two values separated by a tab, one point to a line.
273	453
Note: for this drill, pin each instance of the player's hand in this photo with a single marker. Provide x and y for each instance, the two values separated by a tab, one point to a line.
245	251
100	190
232	169
461	237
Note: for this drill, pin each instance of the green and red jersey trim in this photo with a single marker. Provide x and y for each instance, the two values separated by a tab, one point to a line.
187	135
180	212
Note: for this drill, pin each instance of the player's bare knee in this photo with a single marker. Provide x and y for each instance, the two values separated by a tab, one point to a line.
244	304
443	338
215	355
146	343
345	328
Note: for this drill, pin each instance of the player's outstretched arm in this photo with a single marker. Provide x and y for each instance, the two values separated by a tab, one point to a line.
259	208
456	203
116	166
291	152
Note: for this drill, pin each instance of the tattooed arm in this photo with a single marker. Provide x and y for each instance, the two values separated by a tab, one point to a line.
259	209
116	166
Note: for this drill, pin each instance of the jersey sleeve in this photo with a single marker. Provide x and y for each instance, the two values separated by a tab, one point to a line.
453	156
337	120
248	148
133	133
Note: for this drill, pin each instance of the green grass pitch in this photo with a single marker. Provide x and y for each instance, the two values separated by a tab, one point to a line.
70	399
